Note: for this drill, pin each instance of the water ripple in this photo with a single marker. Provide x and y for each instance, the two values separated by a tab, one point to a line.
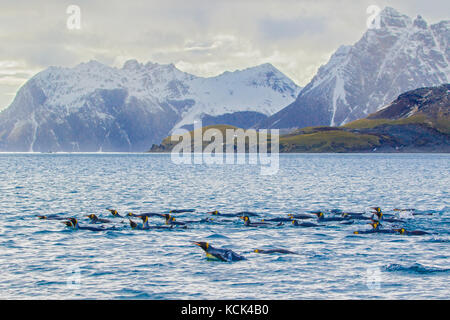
42	259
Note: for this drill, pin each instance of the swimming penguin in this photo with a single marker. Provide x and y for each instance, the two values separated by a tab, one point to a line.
181	210
69	224
133	224
170	220
303	224
248	223
321	217
269	251
375	229
221	221
52	217
354	217
147	214
145	222
145	225
114	213
247	213
381	216
378	209
411	233
74	225
237	214
95	219
225	255
204	220
352	213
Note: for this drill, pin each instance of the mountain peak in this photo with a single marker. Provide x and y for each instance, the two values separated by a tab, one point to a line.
419	22
389	12
129	108
360	79
266	65
389	17
91	64
132	64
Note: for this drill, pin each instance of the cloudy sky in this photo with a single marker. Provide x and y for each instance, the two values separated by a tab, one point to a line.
201	37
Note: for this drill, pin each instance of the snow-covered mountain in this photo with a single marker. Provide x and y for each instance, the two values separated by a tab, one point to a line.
402	55
94	107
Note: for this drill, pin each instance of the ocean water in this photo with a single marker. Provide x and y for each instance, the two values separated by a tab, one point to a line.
43	259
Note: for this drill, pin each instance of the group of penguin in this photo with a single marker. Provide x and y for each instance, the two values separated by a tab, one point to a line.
376	220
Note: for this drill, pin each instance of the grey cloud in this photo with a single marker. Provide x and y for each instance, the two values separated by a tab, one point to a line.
276	29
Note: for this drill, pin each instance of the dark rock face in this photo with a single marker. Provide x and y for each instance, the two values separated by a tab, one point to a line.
410	138
417	121
432	102
358	80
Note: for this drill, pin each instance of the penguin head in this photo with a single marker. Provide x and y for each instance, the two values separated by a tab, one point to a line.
377	209
401	230
113	212
68	224
319	214
203	245
74	221
256	250
375	224
144	219
245	218
295	222
133	224
129	214
92	216
169	218
215	212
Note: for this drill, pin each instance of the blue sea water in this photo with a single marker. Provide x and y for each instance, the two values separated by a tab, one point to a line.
43	259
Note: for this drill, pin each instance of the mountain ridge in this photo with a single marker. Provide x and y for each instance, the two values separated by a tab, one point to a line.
404	54
417	121
95	107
